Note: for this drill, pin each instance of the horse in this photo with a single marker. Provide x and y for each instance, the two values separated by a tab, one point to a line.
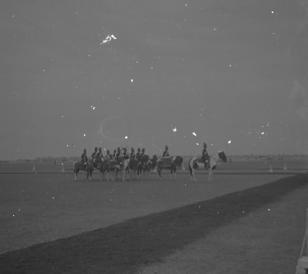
209	163
171	163
88	167
115	166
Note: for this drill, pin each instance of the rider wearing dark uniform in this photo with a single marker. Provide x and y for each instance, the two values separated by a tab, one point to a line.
114	154
108	155
99	155
93	155
118	153
138	154
125	154
166	152
132	155
205	155
84	157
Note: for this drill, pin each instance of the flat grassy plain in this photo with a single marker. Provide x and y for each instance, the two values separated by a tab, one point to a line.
44	207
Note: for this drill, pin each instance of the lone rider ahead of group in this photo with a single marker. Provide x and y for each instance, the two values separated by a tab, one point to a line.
166	152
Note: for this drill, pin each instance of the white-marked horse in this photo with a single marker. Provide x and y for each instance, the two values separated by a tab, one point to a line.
88	167
170	163
210	163
115	167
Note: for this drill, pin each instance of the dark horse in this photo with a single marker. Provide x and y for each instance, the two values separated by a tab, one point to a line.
171	163
88	167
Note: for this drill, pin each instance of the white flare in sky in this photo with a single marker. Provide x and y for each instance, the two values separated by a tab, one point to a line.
108	39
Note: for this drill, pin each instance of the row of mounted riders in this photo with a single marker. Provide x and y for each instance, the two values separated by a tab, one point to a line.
133	164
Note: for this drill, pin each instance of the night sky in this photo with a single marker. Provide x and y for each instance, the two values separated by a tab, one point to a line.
78	74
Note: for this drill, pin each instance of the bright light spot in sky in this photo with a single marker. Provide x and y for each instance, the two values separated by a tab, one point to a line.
131	80
89	55
84	135
13	215
108	39
126	137
197	144
174	129
272	11
186	5
44	70
262	133
62	116
230	65
67	145
194	133
92	107
230	141
214	29
212	145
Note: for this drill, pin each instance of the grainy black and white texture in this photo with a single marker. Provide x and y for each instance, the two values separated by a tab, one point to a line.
78	74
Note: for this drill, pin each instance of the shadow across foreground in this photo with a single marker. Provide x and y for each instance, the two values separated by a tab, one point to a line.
127	246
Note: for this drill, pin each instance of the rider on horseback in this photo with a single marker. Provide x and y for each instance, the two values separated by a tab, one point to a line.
93	155
205	155
114	154
132	155
108	155
99	155
125	154
118	153
166	152
138	154
84	157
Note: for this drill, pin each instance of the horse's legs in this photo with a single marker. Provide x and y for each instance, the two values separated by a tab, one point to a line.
159	172
192	171
210	175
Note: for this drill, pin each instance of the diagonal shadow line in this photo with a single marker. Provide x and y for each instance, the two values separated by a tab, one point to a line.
127	246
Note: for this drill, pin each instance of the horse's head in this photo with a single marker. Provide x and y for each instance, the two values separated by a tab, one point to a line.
222	156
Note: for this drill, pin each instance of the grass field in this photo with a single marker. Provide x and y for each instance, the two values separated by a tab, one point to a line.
43	207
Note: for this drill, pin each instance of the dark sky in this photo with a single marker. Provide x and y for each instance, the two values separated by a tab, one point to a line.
78	74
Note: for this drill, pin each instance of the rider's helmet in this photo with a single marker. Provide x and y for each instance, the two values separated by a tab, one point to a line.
85	150
166	147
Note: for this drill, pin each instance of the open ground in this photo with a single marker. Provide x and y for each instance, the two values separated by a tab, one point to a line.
43	207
